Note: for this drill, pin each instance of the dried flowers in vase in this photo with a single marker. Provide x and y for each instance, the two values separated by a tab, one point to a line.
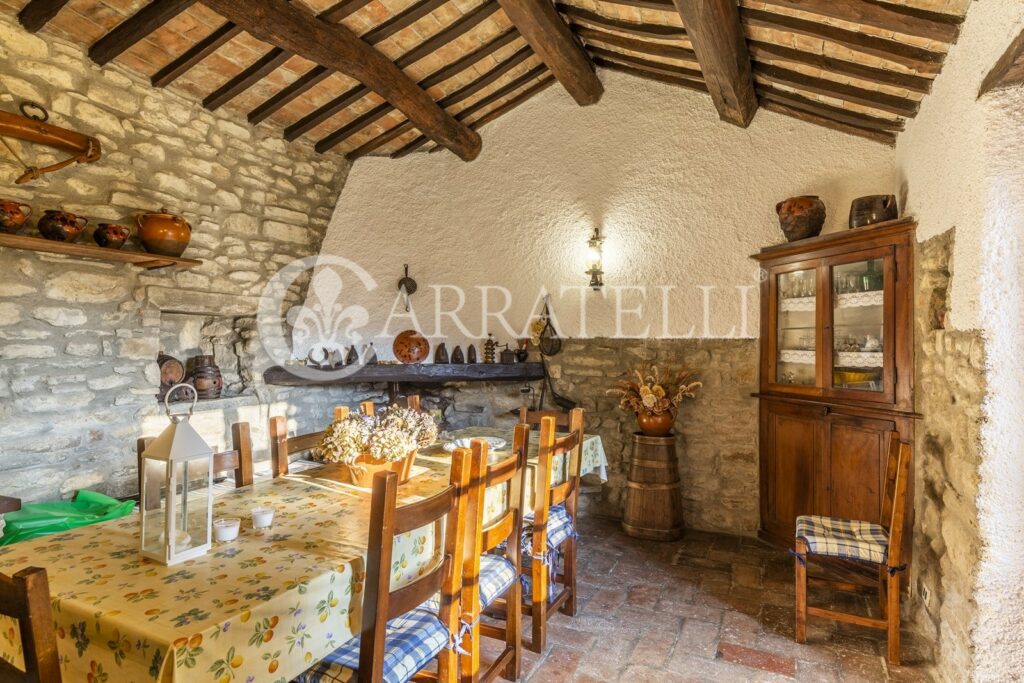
654	397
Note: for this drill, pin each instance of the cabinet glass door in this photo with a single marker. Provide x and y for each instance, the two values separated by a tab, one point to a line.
860	331
796	338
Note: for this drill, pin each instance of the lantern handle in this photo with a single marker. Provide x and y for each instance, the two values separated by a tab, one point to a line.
191	408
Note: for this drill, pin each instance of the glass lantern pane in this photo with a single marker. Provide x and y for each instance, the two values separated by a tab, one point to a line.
797	336
191	502
154	516
858	318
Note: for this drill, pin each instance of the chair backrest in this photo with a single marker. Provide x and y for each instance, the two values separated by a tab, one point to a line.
533	417
341	412
412	402
26	597
282	446
507	527
446	510
549	448
367	408
238	459
898	513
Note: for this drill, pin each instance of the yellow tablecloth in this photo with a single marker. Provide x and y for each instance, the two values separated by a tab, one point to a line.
261	608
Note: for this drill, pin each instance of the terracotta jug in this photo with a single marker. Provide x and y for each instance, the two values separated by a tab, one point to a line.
13	215
164	233
801	217
111	235
61	226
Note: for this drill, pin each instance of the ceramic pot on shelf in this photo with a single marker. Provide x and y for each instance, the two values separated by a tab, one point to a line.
801	217
164	233
13	216
111	235
655	425
205	376
874	208
361	473
61	226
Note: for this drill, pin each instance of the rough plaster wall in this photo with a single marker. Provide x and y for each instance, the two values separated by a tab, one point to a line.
960	164
683	199
941	158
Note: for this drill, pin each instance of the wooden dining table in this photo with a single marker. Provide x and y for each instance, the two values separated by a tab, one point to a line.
263	607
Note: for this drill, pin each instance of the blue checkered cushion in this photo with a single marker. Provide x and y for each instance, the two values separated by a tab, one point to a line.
412	640
560	529
845	538
526	579
496	576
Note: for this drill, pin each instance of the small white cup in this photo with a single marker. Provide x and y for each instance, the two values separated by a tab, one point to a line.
226	528
262	517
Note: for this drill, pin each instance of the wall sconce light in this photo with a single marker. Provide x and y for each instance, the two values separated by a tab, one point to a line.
595	260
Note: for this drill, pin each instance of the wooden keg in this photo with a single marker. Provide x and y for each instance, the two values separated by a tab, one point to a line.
654	504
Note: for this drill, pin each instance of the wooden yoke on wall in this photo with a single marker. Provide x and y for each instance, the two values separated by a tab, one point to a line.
86	149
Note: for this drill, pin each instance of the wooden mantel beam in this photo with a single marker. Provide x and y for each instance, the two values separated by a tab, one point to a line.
716	34
540	24
336	47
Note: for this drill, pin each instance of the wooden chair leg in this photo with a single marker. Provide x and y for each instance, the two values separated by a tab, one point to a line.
470	664
893	618
539	605
883	580
513	627
569	572
800	563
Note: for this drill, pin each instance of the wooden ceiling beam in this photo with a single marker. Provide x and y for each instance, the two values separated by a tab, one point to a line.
591	35
381	140
870	134
841	91
918	59
195	54
319	73
548	35
649	64
135	28
657	31
249	77
838	114
1008	70
657	76
716	35
335	47
38	13
511	104
884	15
353	127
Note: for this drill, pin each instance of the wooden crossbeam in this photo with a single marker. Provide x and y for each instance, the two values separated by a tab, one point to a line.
135	28
433	79
869	98
657	31
716	35
921	60
884	15
335	47
318	73
548	35
195	54
38	13
265	65
657	76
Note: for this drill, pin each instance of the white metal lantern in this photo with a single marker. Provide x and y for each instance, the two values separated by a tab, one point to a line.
176	497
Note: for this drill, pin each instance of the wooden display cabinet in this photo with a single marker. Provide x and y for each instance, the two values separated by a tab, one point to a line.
837	372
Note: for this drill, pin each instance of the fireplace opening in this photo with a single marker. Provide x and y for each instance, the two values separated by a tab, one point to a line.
213	353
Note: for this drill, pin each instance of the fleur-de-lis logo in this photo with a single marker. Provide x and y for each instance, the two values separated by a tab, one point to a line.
325	319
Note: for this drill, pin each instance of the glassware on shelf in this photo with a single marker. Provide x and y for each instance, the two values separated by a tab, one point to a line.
859	324
796	336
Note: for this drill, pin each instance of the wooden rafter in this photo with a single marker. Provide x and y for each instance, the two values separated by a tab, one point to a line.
884	15
650	65
318	73
548	35
809	117
135	28
335	47
442	74
900	106
657	76
381	140
195	54
1008	70
657	31
513	102
38	13
838	114
716	35
591	35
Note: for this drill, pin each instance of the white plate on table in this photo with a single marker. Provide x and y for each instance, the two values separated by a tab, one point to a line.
493	443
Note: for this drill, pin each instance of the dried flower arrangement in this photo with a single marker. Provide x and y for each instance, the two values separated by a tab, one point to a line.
654	394
389	436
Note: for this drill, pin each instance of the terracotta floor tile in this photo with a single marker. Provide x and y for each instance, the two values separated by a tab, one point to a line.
558	666
757	659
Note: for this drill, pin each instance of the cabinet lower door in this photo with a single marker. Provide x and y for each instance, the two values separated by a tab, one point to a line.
792	443
854	468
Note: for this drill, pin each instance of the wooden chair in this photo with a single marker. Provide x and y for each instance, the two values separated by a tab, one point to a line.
877	546
533	417
387	612
552	526
238	459
367	408
412	402
490	574
26	597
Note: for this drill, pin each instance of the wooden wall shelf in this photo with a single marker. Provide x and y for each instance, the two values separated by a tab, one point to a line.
136	258
430	373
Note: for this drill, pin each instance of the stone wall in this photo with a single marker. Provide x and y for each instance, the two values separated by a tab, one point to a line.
950	390
79	338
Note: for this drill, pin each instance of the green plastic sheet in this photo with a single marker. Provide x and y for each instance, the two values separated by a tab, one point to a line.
39	519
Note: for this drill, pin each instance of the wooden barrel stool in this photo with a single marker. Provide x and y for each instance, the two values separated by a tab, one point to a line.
654	504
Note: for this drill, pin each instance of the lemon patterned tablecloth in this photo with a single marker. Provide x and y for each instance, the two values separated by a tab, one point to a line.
261	608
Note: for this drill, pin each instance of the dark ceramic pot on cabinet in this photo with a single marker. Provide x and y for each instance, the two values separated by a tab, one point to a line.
874	208
13	216
801	217
61	226
111	235
164	233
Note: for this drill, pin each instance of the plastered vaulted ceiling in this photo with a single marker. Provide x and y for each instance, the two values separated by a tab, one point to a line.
390	77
